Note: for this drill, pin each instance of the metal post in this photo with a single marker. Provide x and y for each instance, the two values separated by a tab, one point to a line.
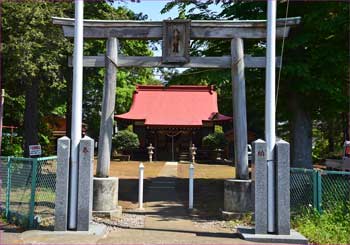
8	191
314	189
319	191
172	148
77	103
190	198
270	111
32	193
141	170
2	96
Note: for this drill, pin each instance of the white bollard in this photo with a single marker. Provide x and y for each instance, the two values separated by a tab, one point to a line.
141	170
191	173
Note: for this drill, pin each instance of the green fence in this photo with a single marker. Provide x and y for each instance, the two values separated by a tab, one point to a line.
318	189
28	190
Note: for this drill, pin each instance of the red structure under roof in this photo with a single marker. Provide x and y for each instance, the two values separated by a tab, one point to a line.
178	105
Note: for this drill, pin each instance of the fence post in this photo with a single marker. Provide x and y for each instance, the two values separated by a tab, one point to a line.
141	169
319	191
314	189
190	201
8	191
32	193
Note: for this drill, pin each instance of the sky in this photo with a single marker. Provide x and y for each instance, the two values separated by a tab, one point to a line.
153	7
150	7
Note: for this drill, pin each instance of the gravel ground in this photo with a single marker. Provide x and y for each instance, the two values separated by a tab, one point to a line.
126	221
212	224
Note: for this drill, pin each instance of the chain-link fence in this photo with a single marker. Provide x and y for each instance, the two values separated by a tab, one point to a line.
318	189
28	190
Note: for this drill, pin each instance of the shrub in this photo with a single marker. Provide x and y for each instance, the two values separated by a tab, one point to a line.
125	141
12	149
330	227
215	140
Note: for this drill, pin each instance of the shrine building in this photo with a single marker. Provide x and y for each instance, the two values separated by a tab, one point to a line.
172	118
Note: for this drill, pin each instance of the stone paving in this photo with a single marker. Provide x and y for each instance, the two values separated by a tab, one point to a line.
164	221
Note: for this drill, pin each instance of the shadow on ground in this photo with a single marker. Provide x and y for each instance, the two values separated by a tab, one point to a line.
208	196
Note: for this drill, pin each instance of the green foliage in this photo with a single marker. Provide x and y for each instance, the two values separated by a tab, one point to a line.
127	78
34	55
125	141
35	52
13	148
215	140
218	129
315	65
330	227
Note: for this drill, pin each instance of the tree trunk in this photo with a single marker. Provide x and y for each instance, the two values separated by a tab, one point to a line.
348	112
31	115
331	135
301	134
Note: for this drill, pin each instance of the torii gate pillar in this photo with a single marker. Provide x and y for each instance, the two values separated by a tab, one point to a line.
105	187
237	192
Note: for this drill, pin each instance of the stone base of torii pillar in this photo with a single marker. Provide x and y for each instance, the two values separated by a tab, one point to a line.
106	198
238	199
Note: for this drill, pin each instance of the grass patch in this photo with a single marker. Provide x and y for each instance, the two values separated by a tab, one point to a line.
330	227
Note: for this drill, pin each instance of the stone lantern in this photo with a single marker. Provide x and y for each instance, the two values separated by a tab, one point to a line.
150	149
193	152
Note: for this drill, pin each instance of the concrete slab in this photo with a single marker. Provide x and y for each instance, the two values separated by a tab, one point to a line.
294	237
98	230
10	238
168	236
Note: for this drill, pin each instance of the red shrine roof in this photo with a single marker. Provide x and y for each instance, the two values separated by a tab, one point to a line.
178	105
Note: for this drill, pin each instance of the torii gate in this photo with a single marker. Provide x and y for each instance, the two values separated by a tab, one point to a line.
235	30
176	36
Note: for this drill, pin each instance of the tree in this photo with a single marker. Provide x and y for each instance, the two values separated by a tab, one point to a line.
127	78
37	77
33	51
312	89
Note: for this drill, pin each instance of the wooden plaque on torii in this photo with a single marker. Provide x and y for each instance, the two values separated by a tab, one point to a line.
176	41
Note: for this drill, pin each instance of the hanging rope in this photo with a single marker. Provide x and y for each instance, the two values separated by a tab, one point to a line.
282	51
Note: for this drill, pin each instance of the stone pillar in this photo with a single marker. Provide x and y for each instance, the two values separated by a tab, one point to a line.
62	178
86	157
108	104
239	109
259	176
282	188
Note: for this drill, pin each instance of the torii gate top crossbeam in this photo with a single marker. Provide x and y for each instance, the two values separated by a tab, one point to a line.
200	29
